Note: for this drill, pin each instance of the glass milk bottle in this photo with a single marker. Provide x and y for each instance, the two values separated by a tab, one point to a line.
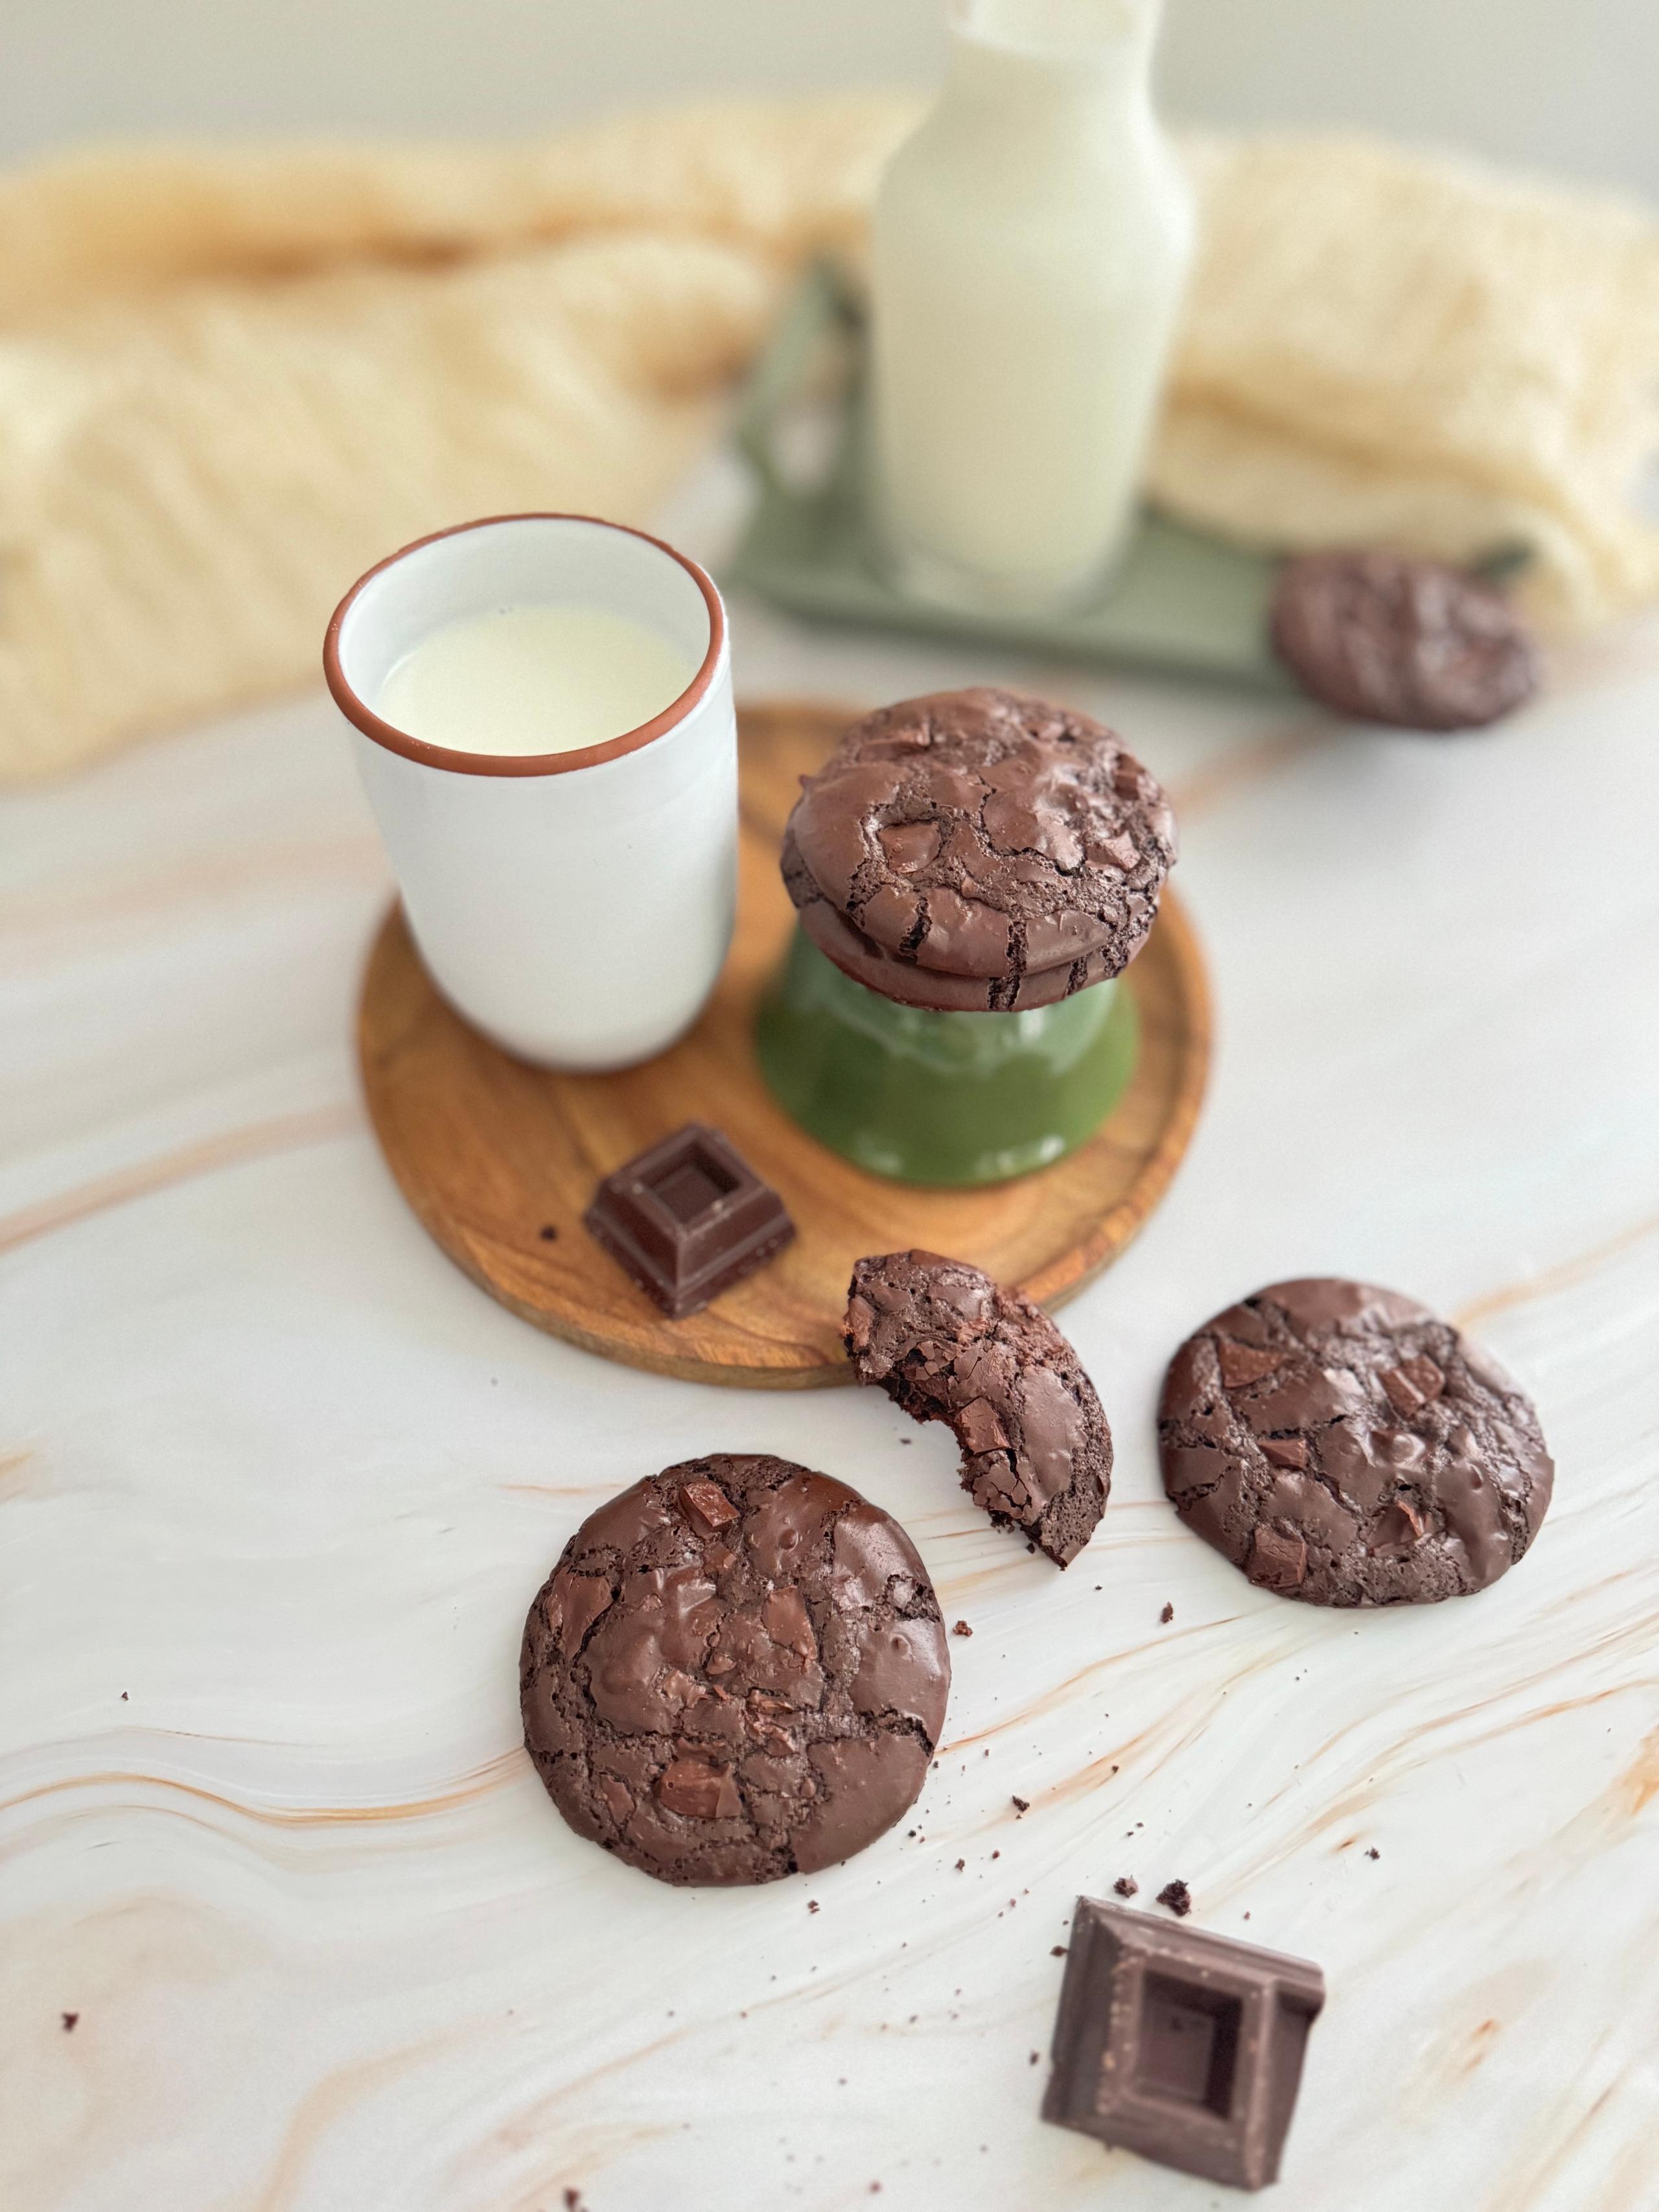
1031	240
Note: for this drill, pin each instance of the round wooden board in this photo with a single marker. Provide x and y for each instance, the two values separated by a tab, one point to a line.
491	1152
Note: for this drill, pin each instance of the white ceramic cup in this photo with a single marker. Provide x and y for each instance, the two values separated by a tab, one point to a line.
575	906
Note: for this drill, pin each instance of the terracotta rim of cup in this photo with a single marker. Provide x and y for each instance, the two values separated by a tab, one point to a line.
397	741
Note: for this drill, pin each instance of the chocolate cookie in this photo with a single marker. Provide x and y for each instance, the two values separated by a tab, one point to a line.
978	850
947	1344
736	1671
1343	1446
1391	639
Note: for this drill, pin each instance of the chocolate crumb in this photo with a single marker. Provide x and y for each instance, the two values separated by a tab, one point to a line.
548	1233
961	1628
124	1696
1167	1615
1373	1853
1021	1804
573	2201
1037	2057
960	1864
811	1904
1059	1951
1177	1896
1127	1886
68	2020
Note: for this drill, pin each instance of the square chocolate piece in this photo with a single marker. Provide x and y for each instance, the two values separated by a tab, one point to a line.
1184	2046
688	1219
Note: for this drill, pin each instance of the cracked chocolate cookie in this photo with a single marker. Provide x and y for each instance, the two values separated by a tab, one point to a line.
1386	638
736	1671
976	850
1343	1446
947	1344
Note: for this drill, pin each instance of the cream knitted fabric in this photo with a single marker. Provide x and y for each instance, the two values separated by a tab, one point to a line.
1384	346
228	382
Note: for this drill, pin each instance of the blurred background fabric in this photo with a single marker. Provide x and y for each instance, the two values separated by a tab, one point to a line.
1563	85
233	373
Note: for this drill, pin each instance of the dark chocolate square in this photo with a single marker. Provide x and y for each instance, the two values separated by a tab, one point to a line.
1184	2046
689	1218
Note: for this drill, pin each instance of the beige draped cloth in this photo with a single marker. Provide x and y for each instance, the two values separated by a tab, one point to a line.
229	381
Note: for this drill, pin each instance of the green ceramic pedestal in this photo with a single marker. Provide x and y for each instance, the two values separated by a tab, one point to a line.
944	1098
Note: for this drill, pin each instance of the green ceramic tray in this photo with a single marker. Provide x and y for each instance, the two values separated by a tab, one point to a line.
1181	601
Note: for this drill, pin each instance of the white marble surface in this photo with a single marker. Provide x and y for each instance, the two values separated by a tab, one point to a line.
276	1484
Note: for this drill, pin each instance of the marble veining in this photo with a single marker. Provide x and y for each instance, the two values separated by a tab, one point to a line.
276	1484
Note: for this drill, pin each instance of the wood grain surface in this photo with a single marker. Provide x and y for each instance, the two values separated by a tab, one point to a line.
493	1154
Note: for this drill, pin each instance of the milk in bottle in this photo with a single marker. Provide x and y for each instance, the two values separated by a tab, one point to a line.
1031	240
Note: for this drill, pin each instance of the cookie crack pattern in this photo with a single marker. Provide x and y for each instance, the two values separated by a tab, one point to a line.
738	1669
1345	1447
948	1344
1046	847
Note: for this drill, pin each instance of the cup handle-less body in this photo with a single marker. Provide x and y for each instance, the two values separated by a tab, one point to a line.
576	907
579	921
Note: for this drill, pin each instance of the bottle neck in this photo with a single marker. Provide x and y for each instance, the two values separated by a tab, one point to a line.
1053	54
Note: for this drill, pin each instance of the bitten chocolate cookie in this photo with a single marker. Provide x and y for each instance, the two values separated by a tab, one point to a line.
736	1671
978	850
1391	639
1343	1446
947	1344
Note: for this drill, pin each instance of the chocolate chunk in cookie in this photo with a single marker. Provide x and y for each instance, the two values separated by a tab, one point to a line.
1386	638
1344	1447
974	842
947	1344
736	1671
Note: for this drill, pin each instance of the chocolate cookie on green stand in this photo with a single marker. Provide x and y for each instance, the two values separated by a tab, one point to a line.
979	851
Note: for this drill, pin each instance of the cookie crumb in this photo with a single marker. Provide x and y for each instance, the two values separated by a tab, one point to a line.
1127	1886
573	2200
1373	1853
1177	1896
811	1904
1167	1615
1037	2059
960	1864
68	2020
961	1628
124	1696
1059	1951
1021	1804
